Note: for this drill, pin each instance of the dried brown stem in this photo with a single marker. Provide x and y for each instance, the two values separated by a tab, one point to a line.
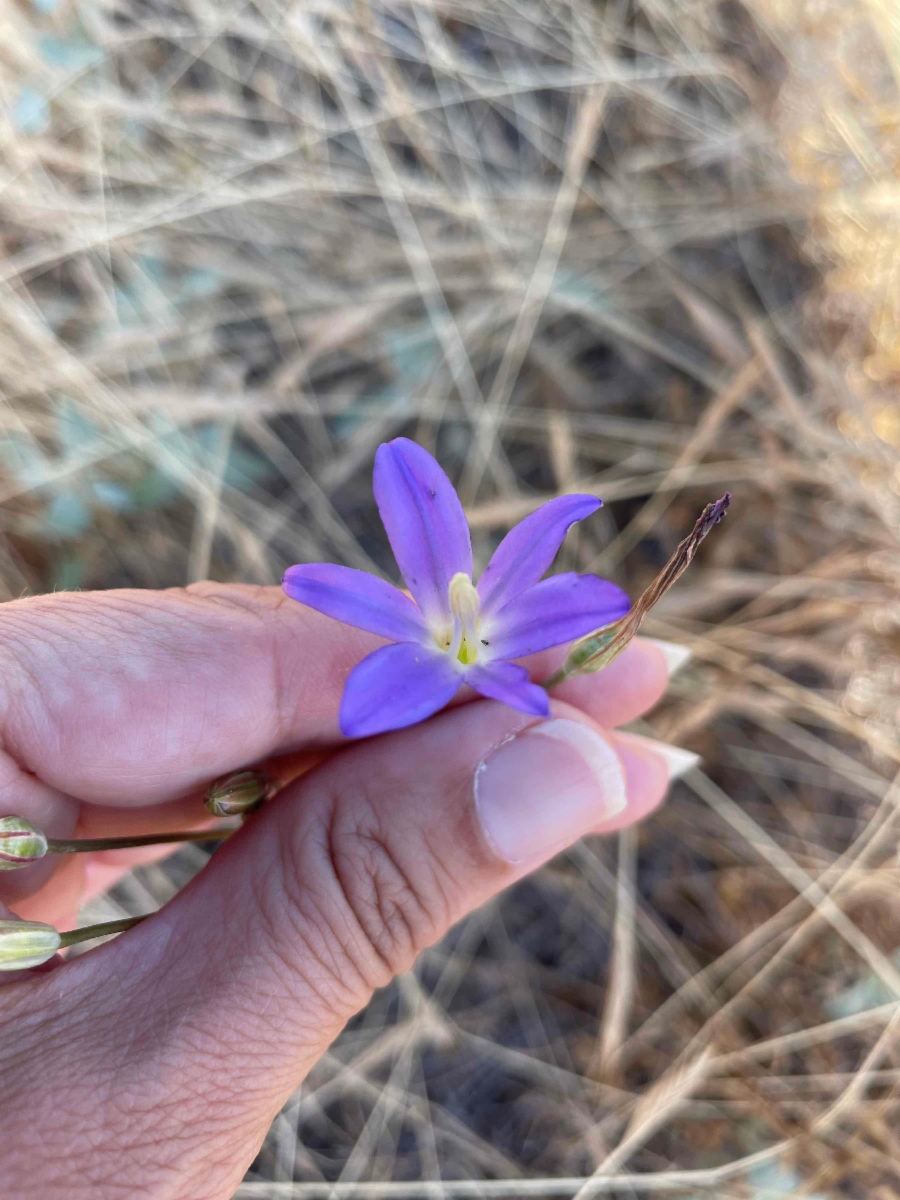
598	649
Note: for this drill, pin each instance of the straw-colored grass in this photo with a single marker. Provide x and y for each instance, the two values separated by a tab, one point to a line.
566	245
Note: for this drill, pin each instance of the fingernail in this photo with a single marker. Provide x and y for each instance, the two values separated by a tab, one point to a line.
676	656
678	760
545	788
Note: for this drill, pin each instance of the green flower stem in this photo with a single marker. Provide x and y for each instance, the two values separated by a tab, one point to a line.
86	845
73	936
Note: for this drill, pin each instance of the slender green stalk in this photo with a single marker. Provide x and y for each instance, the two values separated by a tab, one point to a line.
85	845
88	932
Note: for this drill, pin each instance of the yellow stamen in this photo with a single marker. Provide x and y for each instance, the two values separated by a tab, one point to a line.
465	606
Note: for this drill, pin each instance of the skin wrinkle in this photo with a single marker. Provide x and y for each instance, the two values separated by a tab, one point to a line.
164	1055
153	1156
306	895
147	1018
144	1152
82	1088
298	690
335	1006
338	923
177	1108
157	1018
143	1106
118	1095
376	885
390	910
283	691
155	642
27	661
193	982
285	688
288	920
22	686
55	636
191	1013
10	677
467	830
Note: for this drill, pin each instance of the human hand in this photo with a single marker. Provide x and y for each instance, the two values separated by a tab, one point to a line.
156	1063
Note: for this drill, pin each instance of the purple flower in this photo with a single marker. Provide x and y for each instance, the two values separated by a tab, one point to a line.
453	632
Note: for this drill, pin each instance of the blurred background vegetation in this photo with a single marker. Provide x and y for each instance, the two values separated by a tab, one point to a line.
647	248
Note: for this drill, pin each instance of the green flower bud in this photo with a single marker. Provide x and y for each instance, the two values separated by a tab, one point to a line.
236	794
21	843
26	944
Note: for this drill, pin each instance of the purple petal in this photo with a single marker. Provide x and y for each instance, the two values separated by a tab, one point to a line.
425	523
394	687
356	599
529	548
509	683
554	611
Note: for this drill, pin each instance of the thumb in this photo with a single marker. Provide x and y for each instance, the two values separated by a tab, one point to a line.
235	988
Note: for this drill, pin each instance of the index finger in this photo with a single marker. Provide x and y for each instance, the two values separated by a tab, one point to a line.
136	697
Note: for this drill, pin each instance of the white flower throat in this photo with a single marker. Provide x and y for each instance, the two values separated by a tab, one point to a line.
463	640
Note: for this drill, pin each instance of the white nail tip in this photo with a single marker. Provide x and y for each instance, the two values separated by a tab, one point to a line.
678	760
676	656
599	756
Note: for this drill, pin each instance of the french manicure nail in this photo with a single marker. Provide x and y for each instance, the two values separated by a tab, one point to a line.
676	656
544	788
677	759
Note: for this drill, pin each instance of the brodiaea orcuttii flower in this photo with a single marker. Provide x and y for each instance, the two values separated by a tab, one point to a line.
453	632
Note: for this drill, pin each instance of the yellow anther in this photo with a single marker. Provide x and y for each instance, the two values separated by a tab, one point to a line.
464	601
465	606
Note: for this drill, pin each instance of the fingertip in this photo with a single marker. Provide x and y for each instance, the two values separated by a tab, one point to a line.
647	776
650	768
676	655
646	773
629	687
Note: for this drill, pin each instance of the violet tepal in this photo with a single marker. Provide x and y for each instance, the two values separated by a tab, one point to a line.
452	631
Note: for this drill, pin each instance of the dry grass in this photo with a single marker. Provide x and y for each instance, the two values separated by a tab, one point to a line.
560	243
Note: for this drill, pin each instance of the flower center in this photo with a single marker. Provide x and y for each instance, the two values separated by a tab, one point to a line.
465	606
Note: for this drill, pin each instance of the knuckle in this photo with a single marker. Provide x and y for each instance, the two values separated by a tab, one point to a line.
303	930
376	893
388	906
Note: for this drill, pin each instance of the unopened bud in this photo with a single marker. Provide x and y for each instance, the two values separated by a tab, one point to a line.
236	794
21	843
26	944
